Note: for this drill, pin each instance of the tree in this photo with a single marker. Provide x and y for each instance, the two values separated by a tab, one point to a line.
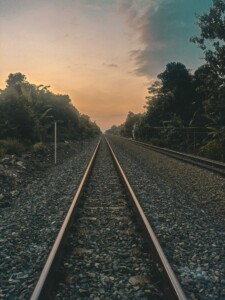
28	111
171	106
115	130
203	82
131	122
171	98
211	77
177	84
212	37
212	42
158	105
15	79
180	100
17	120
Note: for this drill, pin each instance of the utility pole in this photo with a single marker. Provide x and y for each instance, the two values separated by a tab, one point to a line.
194	140
55	142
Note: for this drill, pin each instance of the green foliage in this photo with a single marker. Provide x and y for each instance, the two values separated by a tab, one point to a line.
28	113
2	152
115	130
175	92
11	146
170	97
39	147
212	42
212	150
130	125
158	142
15	79
212	37
16	116
170	108
87	127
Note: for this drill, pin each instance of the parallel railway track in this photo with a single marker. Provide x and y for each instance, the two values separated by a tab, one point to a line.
211	165
100	205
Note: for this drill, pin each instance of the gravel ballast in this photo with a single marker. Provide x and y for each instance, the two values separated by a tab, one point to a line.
184	204
31	216
106	258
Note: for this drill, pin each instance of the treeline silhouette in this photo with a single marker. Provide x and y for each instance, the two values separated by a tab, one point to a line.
28	113
186	111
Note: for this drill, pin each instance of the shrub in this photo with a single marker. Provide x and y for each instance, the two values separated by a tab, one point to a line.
212	150
11	146
39	147
158	142
1	152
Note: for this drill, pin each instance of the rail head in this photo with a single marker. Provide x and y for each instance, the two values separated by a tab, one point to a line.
209	164
43	285
185	155
172	284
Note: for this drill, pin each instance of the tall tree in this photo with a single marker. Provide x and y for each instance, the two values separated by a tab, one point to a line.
212	42
177	83
212	37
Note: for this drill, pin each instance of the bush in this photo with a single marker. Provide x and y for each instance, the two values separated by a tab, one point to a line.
1	152
212	150
39	147
158	142
11	146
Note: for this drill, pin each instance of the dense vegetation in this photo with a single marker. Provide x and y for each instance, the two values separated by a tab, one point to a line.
186	111
28	113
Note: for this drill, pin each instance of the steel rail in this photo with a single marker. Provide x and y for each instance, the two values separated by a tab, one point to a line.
45	281
172	286
209	164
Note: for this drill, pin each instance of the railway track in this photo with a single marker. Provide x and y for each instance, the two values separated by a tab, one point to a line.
211	165
106	249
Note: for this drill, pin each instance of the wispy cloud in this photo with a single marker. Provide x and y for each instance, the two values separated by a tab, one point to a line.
160	26
139	15
136	11
110	65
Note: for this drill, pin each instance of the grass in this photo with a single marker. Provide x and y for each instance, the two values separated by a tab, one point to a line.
11	146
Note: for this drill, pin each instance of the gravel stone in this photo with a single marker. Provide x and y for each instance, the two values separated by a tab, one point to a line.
185	206
38	194
115	264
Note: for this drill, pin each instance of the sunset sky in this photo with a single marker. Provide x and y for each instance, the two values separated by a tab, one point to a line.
102	53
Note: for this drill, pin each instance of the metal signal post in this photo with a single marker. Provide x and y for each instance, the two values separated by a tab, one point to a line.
55	142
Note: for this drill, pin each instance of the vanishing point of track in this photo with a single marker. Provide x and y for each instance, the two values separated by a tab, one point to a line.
122	234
